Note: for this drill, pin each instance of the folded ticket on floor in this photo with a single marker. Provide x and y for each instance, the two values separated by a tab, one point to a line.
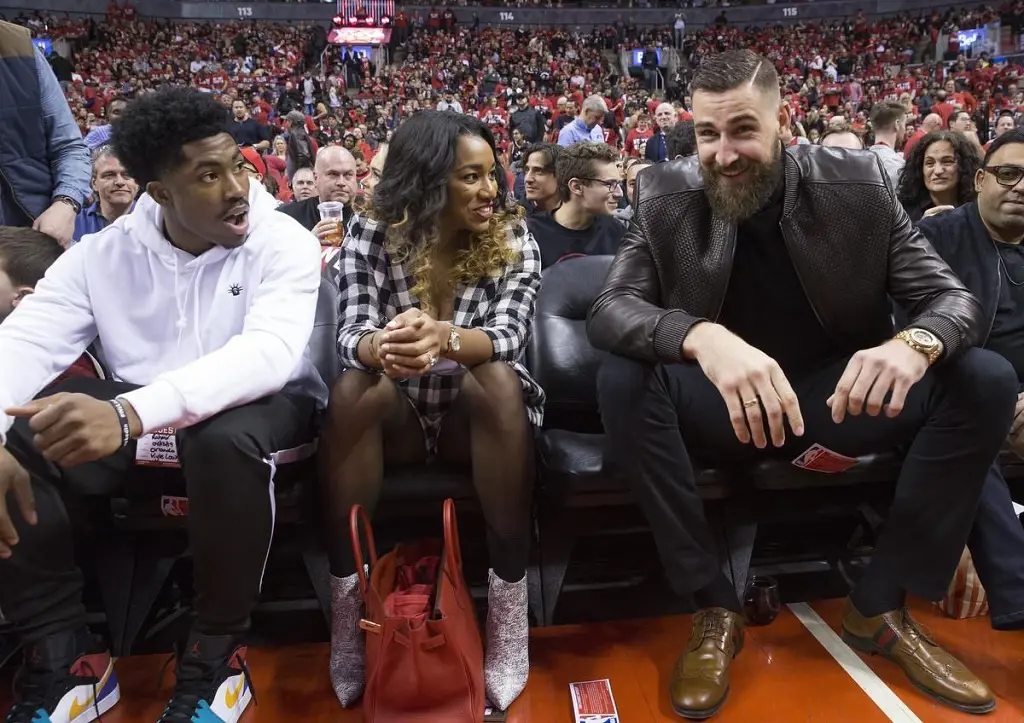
592	702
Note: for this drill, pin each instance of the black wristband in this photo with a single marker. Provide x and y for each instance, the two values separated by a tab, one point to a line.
122	419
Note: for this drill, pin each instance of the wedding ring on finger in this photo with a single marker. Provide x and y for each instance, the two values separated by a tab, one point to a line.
750	403
432	360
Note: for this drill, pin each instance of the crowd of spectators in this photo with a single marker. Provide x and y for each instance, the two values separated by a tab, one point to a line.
526	84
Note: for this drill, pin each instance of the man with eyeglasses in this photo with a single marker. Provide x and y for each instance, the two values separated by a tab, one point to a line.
589	186
981	241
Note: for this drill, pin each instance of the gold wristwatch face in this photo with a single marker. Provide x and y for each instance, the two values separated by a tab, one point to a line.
924	338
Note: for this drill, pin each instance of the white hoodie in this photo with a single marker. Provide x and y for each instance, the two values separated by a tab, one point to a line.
200	334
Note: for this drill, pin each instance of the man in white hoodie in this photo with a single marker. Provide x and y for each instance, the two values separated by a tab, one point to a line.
202	300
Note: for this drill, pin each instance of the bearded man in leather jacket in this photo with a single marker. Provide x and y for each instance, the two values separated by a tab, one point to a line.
753	293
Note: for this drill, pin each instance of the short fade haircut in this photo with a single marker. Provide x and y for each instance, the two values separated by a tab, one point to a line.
550	151
26	254
884	116
734	68
150	134
579	161
1014	136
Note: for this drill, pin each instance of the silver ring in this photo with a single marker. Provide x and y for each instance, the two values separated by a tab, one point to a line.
431	360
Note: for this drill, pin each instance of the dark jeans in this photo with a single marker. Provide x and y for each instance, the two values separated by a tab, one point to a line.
997	548
660	417
228	462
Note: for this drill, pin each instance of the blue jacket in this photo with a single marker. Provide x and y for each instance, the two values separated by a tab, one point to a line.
41	150
23	143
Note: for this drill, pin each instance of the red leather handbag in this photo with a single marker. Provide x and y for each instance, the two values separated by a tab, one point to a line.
424	655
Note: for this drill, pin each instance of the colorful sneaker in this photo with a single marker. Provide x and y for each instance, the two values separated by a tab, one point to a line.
213	684
65	678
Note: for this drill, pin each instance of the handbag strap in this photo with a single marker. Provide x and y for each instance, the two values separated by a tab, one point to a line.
453	551
357	518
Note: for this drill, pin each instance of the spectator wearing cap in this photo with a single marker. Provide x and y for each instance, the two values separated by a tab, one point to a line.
256	167
45	165
115	193
528	120
586	126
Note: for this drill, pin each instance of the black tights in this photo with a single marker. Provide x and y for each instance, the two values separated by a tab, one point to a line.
370	425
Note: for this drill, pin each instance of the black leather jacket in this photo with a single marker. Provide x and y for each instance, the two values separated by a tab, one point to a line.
850	240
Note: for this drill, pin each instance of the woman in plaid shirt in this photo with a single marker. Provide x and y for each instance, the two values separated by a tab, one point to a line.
438	283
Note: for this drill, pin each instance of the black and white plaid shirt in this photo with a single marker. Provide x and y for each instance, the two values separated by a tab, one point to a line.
374	290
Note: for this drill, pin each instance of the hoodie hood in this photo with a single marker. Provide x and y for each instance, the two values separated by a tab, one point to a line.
145	225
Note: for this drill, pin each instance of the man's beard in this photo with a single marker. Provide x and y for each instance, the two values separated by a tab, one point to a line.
739	201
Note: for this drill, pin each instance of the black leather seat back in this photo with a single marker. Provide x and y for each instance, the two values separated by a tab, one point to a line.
560	357
323	344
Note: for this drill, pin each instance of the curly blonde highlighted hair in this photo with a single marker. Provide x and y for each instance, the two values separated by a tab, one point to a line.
486	255
413	192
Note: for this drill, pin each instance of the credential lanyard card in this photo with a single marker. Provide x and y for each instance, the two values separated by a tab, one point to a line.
157	449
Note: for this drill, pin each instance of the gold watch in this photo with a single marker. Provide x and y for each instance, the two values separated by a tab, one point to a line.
923	341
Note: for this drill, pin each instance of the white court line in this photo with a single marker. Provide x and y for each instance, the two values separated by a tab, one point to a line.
855	667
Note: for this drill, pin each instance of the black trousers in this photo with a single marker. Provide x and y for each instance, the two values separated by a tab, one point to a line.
662	419
228	464
996	543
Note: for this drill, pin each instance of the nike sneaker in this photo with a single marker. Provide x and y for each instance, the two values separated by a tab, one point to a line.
213	684
65	678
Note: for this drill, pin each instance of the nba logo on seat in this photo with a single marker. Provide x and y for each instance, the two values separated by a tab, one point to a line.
174	506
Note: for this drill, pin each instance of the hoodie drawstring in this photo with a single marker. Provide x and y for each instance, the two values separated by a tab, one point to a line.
182	304
195	307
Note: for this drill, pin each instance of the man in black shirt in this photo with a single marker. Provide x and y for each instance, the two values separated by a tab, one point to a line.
751	292
590	189
981	241
246	130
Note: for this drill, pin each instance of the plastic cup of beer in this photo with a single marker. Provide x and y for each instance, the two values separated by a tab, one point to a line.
333	211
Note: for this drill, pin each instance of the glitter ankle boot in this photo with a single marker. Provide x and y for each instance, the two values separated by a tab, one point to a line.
347	652
507	654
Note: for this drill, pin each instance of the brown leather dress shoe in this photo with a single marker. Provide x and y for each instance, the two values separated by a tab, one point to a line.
700	681
895	635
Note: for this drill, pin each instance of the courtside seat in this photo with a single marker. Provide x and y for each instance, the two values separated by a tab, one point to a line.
136	560
572	474
573	463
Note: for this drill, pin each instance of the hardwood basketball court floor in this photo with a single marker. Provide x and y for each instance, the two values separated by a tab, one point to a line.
784	674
